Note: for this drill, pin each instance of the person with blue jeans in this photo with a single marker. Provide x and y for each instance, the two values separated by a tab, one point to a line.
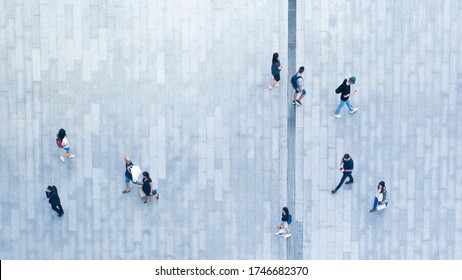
299	87
346	167
345	90
380	197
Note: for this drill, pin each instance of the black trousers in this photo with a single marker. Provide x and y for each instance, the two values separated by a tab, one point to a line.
345	175
58	208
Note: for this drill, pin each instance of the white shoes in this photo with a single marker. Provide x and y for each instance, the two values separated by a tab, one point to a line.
62	158
287	235
270	87
354	110
276	85
72	156
337	116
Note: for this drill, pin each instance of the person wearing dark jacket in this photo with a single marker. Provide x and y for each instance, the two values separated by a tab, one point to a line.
53	199
345	92
346	167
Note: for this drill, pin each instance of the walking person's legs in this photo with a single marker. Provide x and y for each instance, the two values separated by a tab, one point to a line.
339	108
350	107
127	184
295	98
58	208
344	176
350	177
374	207
301	97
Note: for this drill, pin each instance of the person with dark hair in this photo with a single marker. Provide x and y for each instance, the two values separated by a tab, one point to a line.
345	89
283	226
276	68
297	84
63	142
147	187
380	199
53	199
346	167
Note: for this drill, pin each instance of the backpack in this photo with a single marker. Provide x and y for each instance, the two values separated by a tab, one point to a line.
59	143
289	219
294	80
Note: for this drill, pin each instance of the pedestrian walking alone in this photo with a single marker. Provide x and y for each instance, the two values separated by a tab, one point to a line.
380	199
346	167
276	68
53	199
148	187
345	92
63	143
283	226
297	84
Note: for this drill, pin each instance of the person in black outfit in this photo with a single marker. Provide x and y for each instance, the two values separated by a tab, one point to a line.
346	167
53	199
345	89
147	187
276	68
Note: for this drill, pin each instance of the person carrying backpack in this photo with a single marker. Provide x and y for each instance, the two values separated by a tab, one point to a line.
286	220
297	84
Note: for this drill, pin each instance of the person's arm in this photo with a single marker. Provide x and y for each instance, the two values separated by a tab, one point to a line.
150	184
341	163
350	94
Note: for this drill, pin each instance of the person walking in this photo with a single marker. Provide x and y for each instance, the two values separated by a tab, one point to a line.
53	198
345	90
147	187
63	142
346	167
276	68
128	173
283	226
380	199
297	84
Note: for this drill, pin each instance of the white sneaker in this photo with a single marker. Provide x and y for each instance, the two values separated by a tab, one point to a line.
337	116
270	87
62	158
72	156
287	235
354	110
276	85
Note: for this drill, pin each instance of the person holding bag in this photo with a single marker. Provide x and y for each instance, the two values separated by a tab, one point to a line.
380	199
147	188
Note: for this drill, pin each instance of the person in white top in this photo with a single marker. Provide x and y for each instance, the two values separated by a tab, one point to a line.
62	137
380	199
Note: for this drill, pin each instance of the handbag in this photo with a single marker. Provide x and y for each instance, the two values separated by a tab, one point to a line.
142	194
382	206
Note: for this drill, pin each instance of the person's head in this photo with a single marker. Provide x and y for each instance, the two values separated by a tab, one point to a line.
381	186
275	57
285	210
346	157
351	80
146	174
49	188
61	133
301	69
127	159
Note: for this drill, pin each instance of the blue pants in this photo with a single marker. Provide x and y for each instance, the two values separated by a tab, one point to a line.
342	103
345	175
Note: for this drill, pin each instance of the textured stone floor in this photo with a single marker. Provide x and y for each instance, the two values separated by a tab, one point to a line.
180	86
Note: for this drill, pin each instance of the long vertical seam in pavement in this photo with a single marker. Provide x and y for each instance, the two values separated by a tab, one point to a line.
291	56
